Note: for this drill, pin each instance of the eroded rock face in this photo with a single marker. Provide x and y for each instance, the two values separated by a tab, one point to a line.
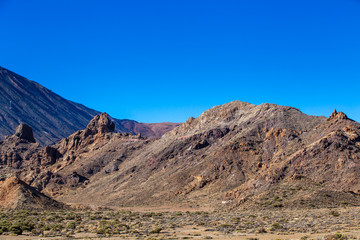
16	194
236	152
16	150
337	116
101	124
25	132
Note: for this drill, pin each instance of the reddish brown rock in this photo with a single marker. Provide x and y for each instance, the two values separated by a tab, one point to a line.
16	194
337	116
25	132
101	124
238	152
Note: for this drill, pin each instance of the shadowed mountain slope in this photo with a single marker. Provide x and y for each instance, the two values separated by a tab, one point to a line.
51	116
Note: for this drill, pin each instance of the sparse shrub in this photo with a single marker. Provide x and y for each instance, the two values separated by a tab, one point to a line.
334	213
276	226
277	198
101	230
336	236
70	216
156	230
71	225
16	229
27	226
57	227
317	184
35	231
4	226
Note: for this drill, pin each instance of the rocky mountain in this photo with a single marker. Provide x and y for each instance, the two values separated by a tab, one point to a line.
51	116
15	194
234	155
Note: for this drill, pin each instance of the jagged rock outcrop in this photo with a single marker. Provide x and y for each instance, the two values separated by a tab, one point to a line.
337	116
99	129
25	132
71	162
16	150
101	124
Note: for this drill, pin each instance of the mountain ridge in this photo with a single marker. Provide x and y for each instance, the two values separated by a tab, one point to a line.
51	116
235	155
238	153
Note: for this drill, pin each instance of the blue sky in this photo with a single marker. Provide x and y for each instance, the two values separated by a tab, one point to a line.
167	60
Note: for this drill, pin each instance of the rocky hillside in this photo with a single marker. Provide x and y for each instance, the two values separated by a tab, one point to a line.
234	155
15	194
51	116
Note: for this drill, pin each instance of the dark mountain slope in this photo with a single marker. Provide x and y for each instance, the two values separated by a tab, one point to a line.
51	116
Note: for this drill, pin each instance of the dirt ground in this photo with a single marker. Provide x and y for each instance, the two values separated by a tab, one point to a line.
337	223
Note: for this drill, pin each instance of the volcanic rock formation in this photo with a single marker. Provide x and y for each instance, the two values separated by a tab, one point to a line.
25	132
16	149
238	153
15	194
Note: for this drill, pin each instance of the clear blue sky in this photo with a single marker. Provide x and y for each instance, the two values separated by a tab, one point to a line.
168	60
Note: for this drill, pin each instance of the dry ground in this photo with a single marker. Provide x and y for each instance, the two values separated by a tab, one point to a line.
339	223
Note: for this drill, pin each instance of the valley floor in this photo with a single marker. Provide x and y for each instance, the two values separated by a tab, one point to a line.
339	223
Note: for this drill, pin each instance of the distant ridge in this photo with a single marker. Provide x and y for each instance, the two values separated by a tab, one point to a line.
51	116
